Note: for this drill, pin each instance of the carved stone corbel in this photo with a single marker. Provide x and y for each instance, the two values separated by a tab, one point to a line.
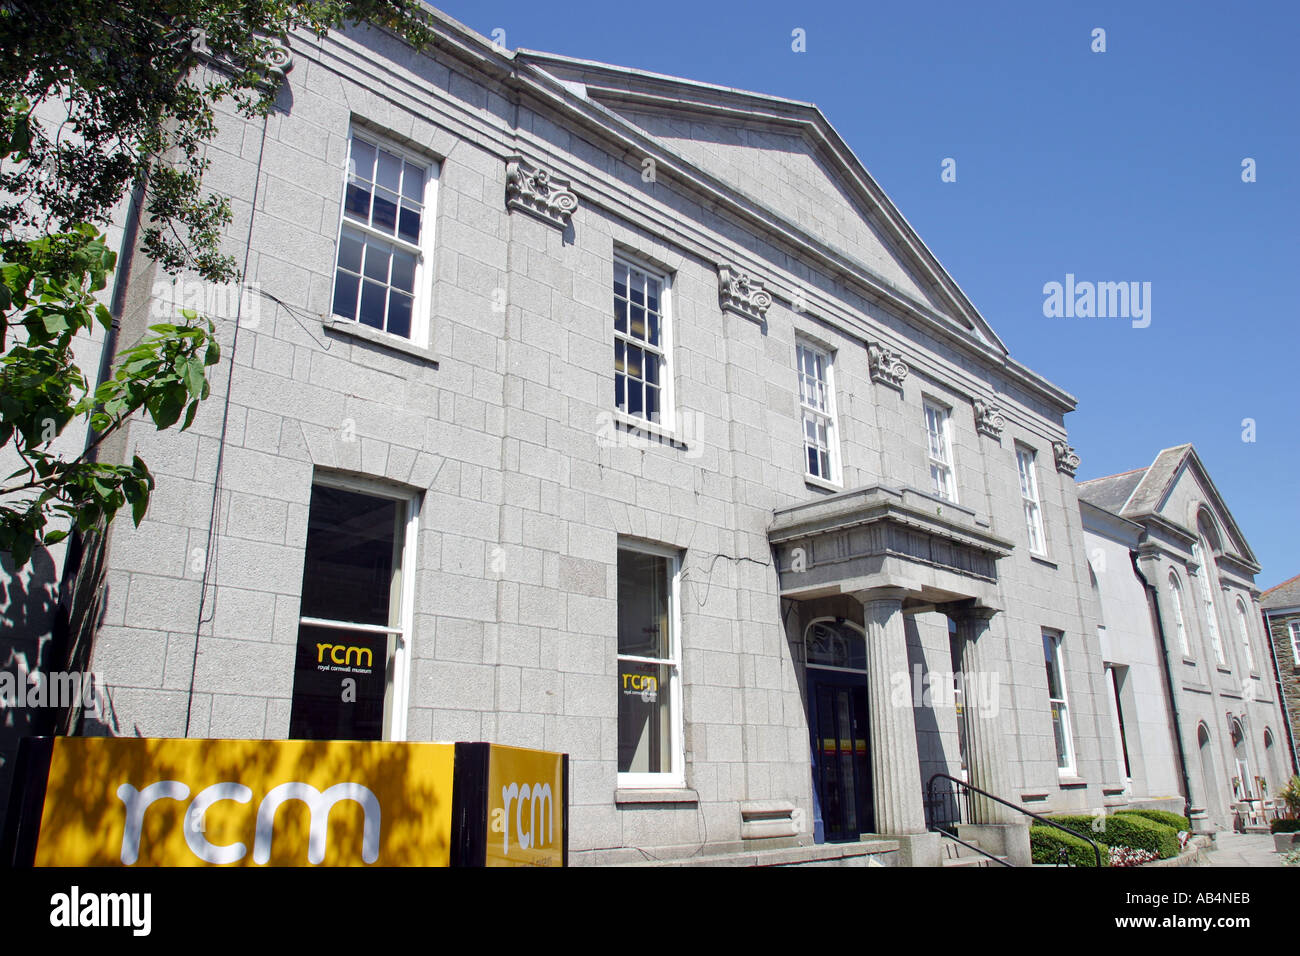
887	366
1067	462
741	293
535	191
988	419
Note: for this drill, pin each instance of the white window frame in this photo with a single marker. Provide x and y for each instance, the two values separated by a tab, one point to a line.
1293	627
1204	557
1180	622
422	306
1243	629
675	777
1027	468
827	415
397	693
1063	703
945	464
667	370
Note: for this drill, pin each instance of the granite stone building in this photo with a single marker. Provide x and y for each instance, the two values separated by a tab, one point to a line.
1189	669
585	409
1281	608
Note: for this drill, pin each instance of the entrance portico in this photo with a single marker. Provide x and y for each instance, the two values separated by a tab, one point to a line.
887	554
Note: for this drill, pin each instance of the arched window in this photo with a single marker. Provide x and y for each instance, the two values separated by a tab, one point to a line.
1243	631
830	642
1179	624
1209	576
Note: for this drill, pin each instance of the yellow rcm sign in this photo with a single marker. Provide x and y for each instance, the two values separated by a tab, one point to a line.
526	802
164	802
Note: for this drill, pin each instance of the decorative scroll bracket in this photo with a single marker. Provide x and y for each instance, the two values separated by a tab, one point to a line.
535	191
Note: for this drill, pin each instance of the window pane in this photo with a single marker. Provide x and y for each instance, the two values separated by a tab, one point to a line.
403	271
389	172
408	226
385	213
399	313
350	247
1053	668
357	203
1059	730
652	403
372	304
620	316
643	604
413	183
644	724
326	658
345	295
637	326
348	565
377	257
363	159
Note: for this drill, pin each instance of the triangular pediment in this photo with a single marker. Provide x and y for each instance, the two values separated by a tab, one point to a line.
1178	488
783	156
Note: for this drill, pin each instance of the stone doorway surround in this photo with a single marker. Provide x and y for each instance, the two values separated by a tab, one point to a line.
897	551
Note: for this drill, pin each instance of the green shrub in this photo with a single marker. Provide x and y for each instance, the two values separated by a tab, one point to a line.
1285	826
1174	820
1046	843
1130	830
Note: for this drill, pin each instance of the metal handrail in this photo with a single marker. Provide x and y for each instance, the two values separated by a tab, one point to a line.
1096	848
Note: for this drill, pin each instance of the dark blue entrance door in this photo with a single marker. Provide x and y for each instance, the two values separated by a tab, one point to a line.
841	757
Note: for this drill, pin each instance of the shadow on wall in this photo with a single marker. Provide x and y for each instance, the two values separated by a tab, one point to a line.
28	609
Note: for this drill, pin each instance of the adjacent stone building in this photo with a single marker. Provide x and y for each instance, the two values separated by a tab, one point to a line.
1196	708
1281	609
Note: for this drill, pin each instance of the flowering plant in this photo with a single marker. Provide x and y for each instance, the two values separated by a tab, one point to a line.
1127	856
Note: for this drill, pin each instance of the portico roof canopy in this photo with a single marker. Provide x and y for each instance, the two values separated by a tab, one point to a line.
935	551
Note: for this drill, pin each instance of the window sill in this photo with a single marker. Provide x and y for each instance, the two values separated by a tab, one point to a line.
1070	780
1189	661
628	795
1043	560
1223	670
656	433
365	333
812	481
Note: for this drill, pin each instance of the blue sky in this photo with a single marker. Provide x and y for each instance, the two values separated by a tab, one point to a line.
1117	166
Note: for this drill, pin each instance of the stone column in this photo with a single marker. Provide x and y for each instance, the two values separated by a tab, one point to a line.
982	691
895	764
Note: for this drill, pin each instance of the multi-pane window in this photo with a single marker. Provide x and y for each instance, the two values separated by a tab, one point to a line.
1057	700
1029	496
1294	628
1203	557
352	629
1176	596
1243	632
641	373
382	238
817	403
940	451
649	735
